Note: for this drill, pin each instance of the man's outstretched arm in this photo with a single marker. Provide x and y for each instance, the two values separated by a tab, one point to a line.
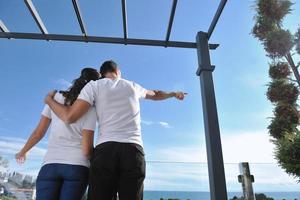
68	114
161	95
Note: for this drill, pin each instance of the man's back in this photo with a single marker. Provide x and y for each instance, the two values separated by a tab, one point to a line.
117	107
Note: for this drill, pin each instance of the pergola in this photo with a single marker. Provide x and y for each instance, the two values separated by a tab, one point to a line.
217	181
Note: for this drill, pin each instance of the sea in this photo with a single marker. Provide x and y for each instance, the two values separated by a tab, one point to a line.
158	195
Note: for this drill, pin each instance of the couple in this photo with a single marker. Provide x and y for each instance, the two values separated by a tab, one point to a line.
116	164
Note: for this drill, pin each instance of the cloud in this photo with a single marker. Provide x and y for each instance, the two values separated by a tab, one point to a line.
12	139
63	83
191	177
3	117
147	122
161	123
11	145
189	171
170	176
186	166
250	146
180	154
164	124
6	130
237	147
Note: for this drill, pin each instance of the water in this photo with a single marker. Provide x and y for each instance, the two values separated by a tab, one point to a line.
156	195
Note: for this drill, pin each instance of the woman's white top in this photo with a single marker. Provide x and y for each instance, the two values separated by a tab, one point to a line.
65	140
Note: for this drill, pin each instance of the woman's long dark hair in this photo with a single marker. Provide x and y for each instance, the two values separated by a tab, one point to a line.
87	74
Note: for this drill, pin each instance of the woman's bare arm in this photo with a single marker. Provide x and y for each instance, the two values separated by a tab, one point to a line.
87	142
35	137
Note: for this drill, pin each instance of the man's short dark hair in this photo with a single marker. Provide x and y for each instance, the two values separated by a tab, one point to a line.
108	66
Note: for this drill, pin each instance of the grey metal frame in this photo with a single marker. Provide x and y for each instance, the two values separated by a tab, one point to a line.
216	18
36	16
124	16
79	17
217	179
171	20
3	28
96	39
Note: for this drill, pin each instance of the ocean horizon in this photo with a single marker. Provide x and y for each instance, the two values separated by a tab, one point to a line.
197	195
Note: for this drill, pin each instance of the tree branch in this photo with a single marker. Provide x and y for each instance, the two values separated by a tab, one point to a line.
290	60
290	79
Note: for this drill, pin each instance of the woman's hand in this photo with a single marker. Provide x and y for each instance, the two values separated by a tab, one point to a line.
20	157
50	96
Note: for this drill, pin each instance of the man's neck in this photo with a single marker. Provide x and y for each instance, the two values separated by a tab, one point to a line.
112	76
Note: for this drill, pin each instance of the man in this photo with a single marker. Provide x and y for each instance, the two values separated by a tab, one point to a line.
118	162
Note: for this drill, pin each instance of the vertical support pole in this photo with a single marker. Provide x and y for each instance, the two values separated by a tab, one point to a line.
216	172
246	179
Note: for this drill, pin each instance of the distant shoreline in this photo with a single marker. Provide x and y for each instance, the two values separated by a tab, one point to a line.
228	191
205	195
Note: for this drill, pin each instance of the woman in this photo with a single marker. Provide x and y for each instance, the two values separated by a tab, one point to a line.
64	174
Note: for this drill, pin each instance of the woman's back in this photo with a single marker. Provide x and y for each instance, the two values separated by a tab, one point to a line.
65	140
65	172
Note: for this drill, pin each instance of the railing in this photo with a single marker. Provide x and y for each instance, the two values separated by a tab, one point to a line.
189	180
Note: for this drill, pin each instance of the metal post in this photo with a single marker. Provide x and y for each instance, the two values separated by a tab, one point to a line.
246	179
217	181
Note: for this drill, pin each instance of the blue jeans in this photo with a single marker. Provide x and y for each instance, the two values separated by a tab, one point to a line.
61	182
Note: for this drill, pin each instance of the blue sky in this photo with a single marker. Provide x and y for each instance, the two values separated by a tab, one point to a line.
172	130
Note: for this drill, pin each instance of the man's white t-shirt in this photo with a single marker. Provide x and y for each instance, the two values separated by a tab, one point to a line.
117	107
65	140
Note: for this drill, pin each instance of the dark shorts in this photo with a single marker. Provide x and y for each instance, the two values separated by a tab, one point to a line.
117	168
61	182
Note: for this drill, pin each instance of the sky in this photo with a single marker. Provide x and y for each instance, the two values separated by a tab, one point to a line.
173	131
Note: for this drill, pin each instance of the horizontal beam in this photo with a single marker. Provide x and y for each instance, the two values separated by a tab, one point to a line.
36	16
112	40
3	28
79	17
216	18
